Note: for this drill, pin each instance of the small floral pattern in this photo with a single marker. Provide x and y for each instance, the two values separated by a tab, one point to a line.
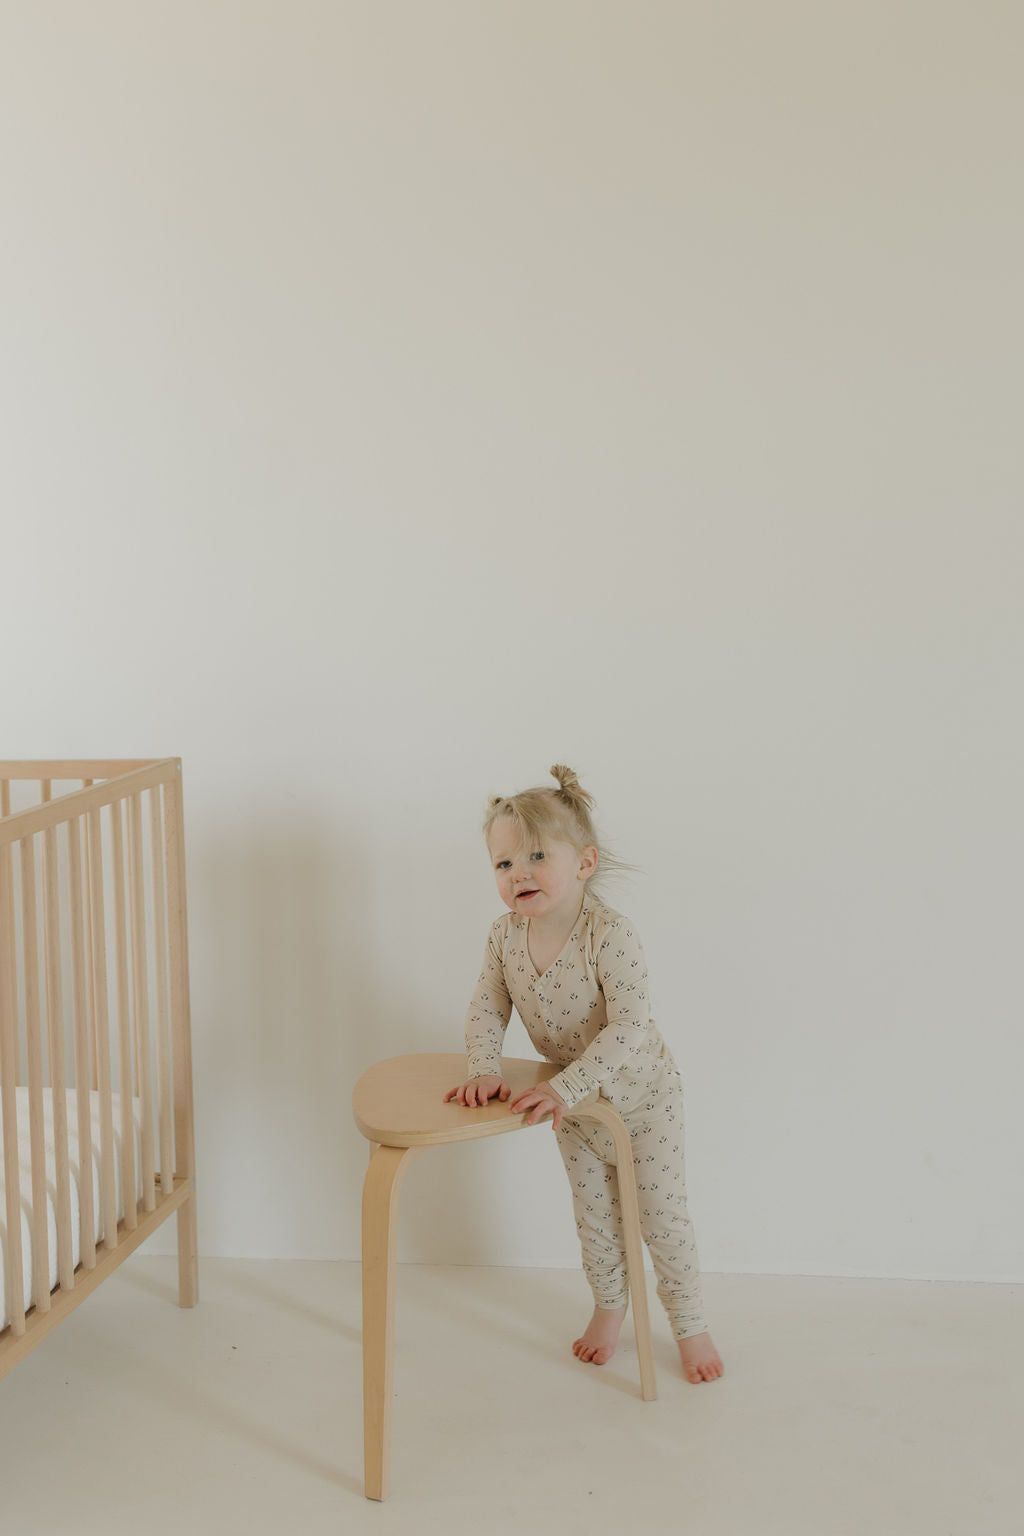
589	1013
588	1153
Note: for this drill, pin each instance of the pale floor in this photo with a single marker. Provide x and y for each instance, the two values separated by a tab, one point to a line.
892	1408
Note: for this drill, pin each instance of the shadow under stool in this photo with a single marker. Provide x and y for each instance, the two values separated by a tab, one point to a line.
398	1106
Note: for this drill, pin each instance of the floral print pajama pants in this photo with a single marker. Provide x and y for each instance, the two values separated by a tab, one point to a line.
588	1153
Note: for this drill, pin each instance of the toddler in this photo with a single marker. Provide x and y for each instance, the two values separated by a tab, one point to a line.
575	972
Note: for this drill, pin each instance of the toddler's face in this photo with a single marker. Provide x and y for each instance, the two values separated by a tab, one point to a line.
537	882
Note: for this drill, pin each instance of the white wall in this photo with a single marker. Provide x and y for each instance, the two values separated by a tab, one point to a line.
398	398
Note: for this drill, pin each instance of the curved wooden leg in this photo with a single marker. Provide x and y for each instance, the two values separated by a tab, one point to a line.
380	1207
634	1242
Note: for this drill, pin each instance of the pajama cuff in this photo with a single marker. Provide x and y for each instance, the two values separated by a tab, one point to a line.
479	1065
572	1086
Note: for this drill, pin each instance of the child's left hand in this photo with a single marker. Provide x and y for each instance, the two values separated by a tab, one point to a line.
541	1100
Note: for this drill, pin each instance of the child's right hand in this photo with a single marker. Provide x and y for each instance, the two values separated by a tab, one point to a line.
478	1090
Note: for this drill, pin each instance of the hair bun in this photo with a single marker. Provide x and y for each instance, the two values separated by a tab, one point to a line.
570	786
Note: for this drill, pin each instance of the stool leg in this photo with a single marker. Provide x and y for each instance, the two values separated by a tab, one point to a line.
635	1260
380	1209
606	1116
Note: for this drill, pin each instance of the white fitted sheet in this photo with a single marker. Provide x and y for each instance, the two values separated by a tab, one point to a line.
25	1160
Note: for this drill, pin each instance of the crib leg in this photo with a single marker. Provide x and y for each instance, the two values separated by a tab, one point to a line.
188	1257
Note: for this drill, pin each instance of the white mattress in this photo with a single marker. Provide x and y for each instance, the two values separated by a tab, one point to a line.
25	1159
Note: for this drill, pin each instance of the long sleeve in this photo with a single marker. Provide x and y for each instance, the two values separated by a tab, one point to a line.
622	1048
489	1010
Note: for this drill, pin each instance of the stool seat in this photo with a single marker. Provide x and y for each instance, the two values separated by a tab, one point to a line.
400	1103
399	1107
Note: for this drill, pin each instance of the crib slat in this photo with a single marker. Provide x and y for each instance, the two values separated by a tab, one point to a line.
15	1287
123	1025
55	1044
34	1056
101	1032
90	948
80	998
174	826
140	996
162	1014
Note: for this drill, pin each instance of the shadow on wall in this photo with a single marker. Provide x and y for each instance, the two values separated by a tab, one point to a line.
283	976
297	989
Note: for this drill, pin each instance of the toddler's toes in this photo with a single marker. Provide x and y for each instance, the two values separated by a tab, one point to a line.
591	1353
700	1359
597	1344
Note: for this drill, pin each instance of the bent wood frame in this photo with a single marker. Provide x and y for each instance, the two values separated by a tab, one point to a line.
94	997
396	1106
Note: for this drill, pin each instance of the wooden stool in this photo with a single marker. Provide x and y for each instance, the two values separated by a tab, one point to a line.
398	1106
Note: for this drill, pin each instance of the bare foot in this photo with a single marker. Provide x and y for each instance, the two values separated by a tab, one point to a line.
598	1343
701	1360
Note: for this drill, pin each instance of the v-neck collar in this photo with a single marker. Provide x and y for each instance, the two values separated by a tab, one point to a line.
539	975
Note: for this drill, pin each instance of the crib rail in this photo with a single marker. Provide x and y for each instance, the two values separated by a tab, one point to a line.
94	1016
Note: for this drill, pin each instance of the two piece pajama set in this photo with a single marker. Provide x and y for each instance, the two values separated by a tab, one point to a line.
589	1014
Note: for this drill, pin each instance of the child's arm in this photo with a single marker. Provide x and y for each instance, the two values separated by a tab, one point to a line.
486	1021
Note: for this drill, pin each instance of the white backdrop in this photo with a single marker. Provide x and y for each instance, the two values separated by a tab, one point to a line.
398	398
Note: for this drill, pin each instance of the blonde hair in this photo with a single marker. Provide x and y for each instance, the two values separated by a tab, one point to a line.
563	815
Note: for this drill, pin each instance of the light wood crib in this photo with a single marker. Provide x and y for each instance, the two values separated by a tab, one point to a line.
95	1051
